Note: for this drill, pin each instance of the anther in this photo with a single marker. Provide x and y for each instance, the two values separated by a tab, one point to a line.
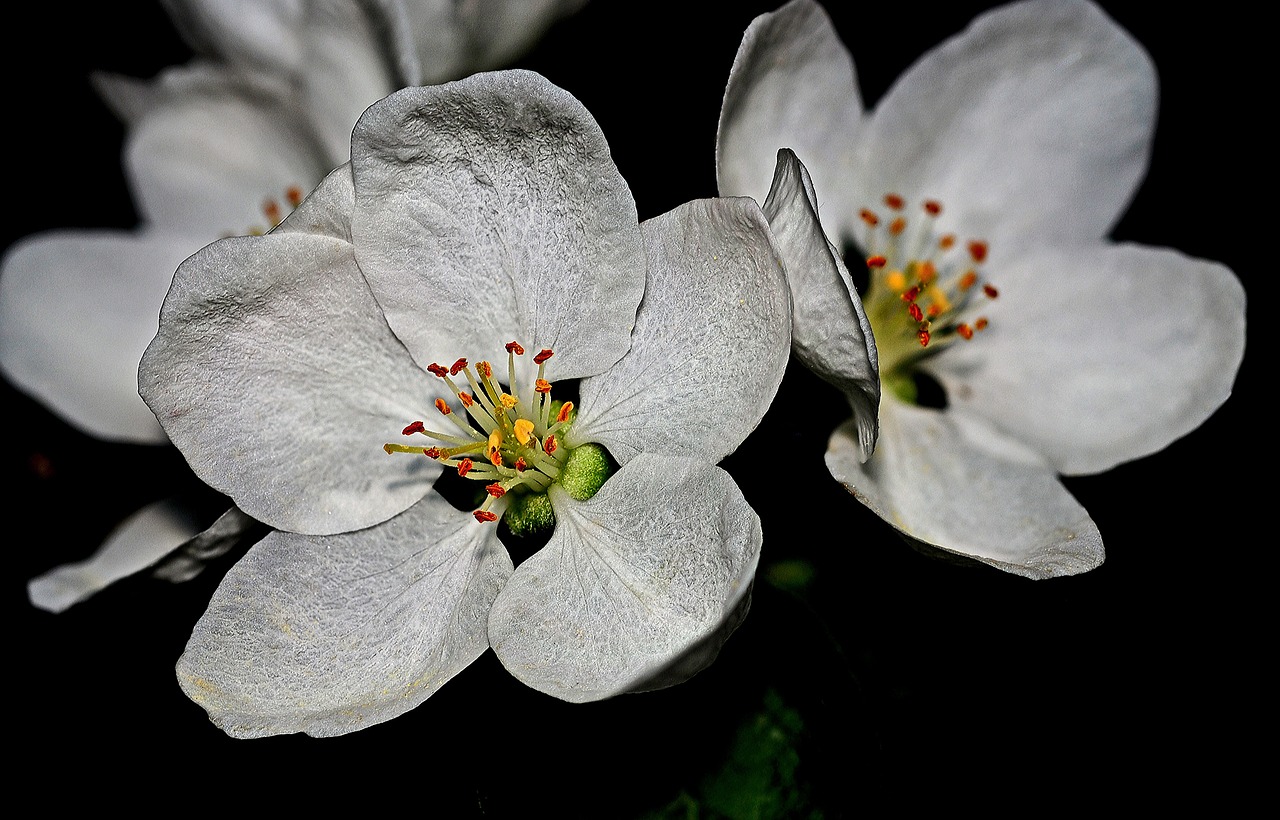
465	466
415	427
932	207
458	367
965	331
514	347
432	452
542	386
549	446
484	516
467	399
495	490
991	291
438	370
442	407
967	281
894	201
485	370
294	194
923	336
876	261
871	219
978	250
897	226
523	429
543	356
916	313
565	410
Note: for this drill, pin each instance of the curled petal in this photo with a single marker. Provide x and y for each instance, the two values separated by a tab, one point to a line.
637	588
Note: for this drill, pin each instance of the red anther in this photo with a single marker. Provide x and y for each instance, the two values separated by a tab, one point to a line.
495	490
438	369
876	261
543	356
520	465
514	347
894	201
484	516
485	370
272	210
465	466
927	272
968	280
932	207
916	313
416	427
294	194
467	400
991	291
897	226
946	241
935	310
868	217
982	323
965	331
458	367
565	410
923	336
549	446
442	407
978	250
495	458
542	386
911	293
432	452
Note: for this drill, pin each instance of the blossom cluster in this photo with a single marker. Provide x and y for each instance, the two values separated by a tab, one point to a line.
449	338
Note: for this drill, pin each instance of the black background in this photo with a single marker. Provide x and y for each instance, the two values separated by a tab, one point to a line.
917	679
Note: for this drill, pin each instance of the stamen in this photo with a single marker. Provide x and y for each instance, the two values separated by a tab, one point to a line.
523	429
514	347
871	219
990	291
457	367
437	369
443	407
484	516
978	250
894	201
565	410
543	356
964	330
465	467
932	207
294	195
415	427
876	262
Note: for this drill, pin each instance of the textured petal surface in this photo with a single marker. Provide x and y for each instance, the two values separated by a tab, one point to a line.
142	539
830	333
950	483
630	582
1101	355
77	308
327	635
277	377
711	340
489	210
792	85
1033	125
212	146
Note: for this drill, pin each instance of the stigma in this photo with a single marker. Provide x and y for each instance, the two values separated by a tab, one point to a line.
512	440
926	288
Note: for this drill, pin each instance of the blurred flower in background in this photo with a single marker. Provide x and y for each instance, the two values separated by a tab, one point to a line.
223	145
1016	343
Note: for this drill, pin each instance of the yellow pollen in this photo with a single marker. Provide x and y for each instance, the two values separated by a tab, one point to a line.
495	441
896	281
508	401
523	428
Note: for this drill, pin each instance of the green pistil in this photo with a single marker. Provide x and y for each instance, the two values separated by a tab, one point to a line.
586	470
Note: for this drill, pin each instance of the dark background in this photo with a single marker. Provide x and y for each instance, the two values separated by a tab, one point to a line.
906	679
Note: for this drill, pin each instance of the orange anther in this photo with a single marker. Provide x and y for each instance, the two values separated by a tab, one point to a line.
968	280
894	201
871	219
520	464
946	241
543	356
485	370
294	194
932	207
495	490
467	400
542	386
991	291
465	466
916	313
442	407
927	272
514	347
549	446
272	210
982	323
565	410
897	226
438	369
458	367
432	452
965	331
923	336
415	427
876	261
484	516
911	293
935	310
978	250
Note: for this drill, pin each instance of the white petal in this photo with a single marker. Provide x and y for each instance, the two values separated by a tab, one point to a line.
230	530
830	333
142	539
957	486
213	146
328	635
1100	355
277	377
635	585
792	85
1034	124
258	34
77	308
489	210
711	340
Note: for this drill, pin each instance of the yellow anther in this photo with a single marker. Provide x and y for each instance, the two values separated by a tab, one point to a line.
524	428
508	401
495	441
896	281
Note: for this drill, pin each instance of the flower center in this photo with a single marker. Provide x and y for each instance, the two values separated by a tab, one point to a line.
925	289
512	441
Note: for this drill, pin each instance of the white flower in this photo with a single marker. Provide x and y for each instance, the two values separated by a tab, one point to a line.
1008	152
476	219
222	146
